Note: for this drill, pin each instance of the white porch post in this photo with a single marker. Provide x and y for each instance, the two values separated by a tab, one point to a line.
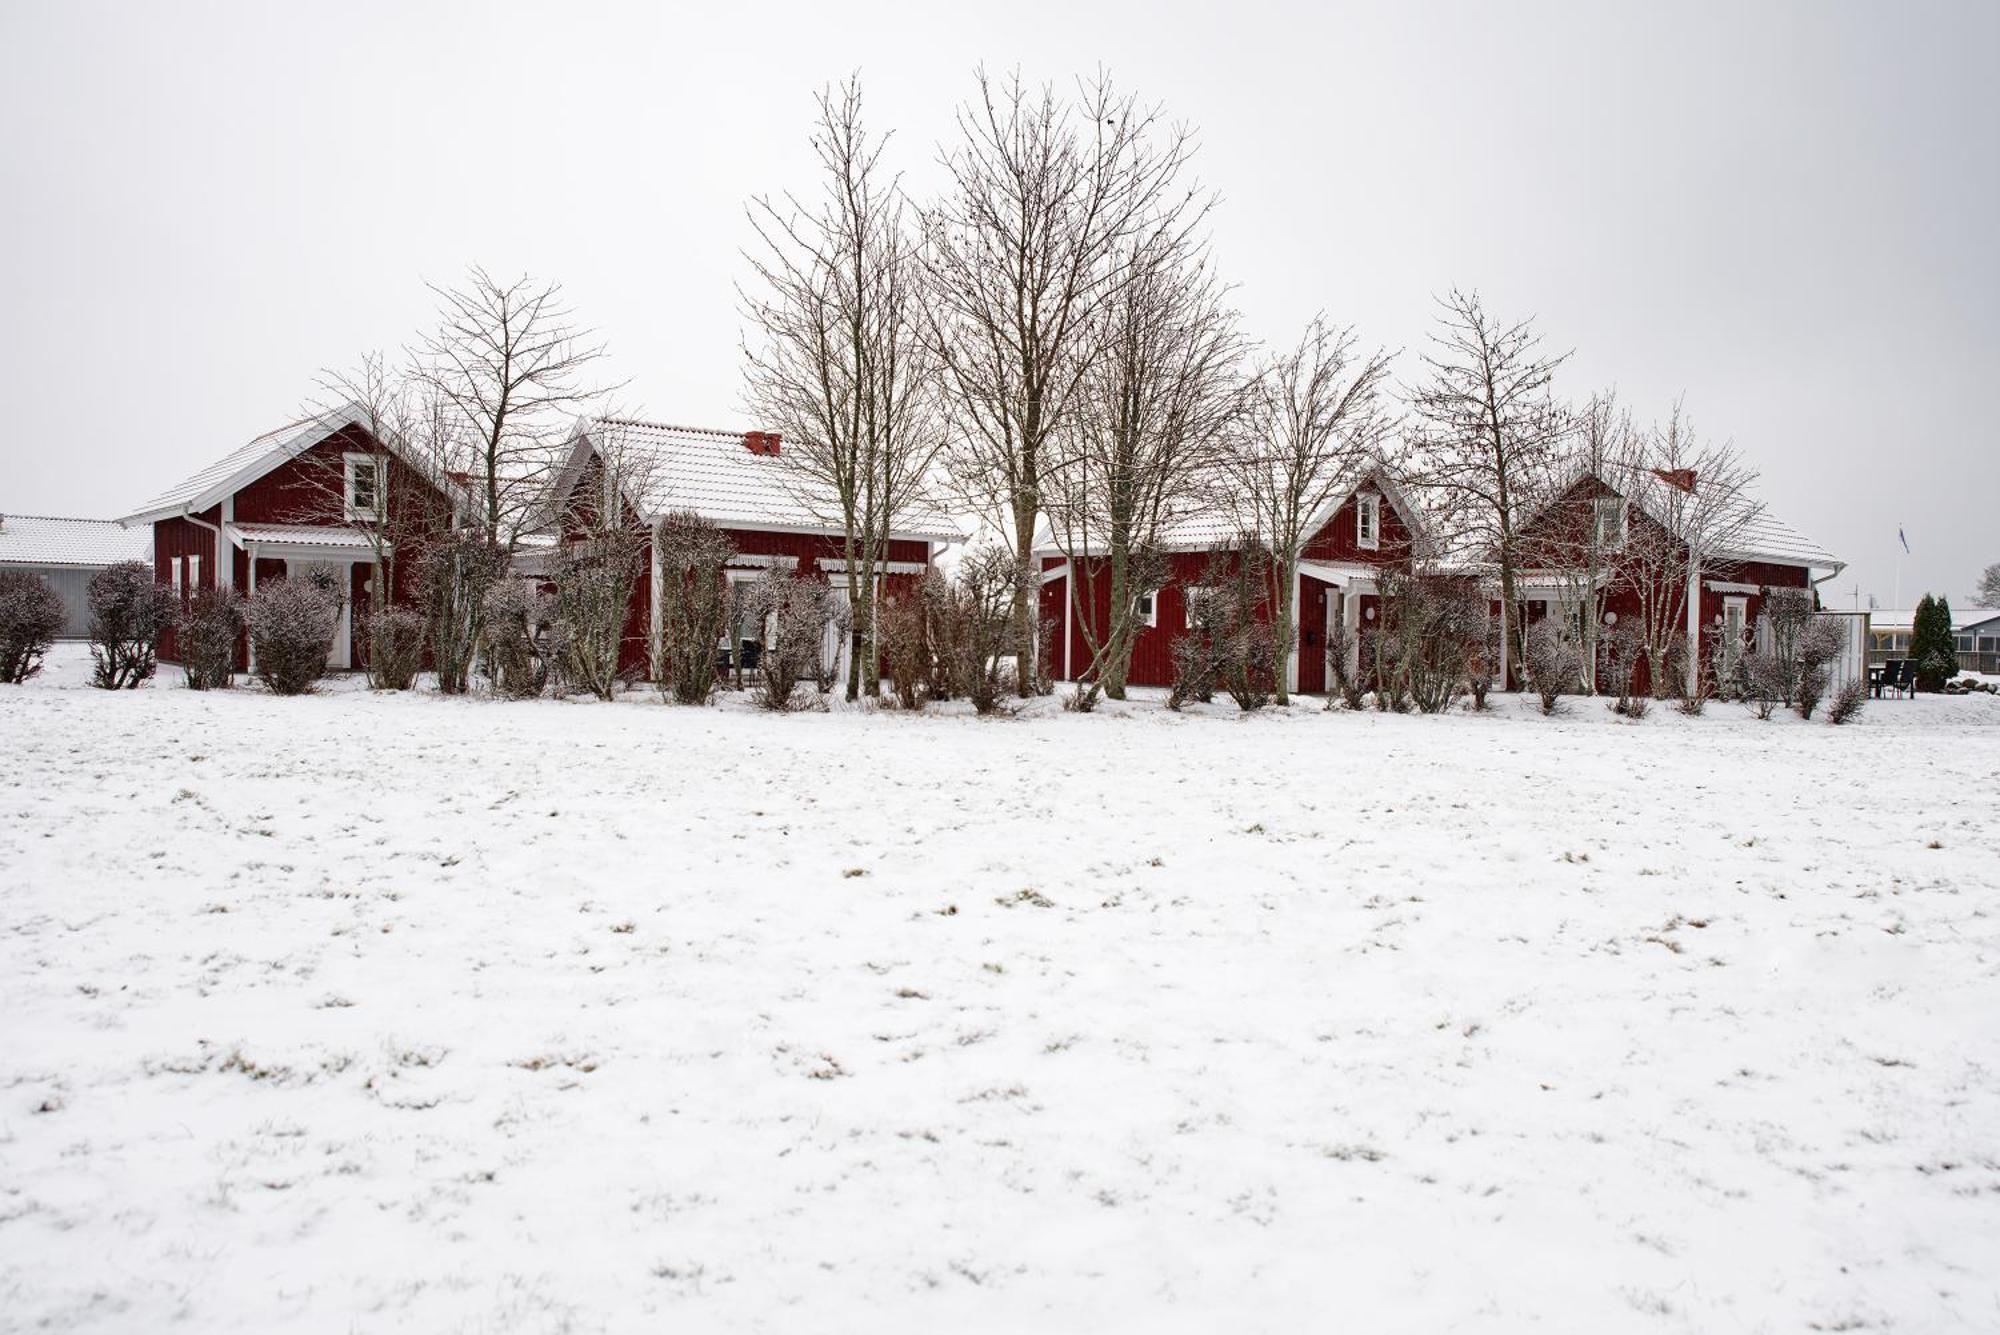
1298	630
252	654
653	615
1692	674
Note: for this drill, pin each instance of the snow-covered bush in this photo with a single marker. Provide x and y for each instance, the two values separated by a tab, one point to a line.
593	583
910	620
1232	592
395	647
519	620
455	572
1347	685
1618	651
206	635
798	612
1552	662
1847	702
1435	627
694	604
1197	656
128	610
977	626
1818	648
31	616
292	625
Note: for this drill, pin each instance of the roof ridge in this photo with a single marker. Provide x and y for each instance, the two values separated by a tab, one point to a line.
61	519
718	432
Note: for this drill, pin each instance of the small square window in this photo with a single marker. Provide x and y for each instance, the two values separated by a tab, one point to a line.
1147	605
1368	521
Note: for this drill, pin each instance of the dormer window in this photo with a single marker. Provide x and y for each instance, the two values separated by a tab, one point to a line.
1610	514
1368	521
367	483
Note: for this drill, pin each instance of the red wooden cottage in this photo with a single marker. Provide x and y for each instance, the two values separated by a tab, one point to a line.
1604	521
318	492
1371	524
775	513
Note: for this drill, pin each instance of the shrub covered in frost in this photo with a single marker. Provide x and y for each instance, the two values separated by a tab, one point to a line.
128	610
292	624
206	637
395	638
31	616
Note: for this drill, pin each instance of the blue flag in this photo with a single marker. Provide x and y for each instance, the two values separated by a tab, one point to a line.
1906	541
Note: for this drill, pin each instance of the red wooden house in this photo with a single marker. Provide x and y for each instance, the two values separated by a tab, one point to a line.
774	513
1370	525
319	492
1601	523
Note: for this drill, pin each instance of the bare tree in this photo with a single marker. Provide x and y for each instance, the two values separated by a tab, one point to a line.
1316	419
1487	433
1148	426
1988	593
1576	540
1044	201
513	368
1691	507
840	365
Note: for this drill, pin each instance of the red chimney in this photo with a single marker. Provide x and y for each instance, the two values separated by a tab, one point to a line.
1681	478
761	442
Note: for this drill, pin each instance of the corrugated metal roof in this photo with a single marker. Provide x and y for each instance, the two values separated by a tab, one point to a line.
714	474
48	540
298	535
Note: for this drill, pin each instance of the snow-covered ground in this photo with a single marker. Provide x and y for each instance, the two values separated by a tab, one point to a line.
363	1013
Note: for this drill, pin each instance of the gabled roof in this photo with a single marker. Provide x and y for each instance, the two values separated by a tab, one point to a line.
715	474
1761	536
1214	521
1894	619
242	466
44	540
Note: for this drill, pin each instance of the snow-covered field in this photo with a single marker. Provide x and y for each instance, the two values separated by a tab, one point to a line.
364	1013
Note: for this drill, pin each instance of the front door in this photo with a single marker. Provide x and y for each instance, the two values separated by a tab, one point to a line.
1313	619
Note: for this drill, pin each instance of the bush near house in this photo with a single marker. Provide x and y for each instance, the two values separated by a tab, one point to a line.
395	647
31	616
292	624
206	636
128	610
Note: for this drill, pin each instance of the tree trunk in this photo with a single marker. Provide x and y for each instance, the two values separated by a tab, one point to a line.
1026	677
1283	634
1117	656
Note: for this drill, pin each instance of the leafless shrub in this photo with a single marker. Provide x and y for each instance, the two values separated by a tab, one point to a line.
1240	581
206	635
1766	682
1818	646
593	581
1847	702
798	611
1554	663
457	571
1437	625
292	625
695	604
395	637
128	610
1349	685
1198	656
911	620
521	640
979	617
31	616
1618	651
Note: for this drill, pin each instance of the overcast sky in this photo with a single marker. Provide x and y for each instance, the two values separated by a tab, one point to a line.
1789	213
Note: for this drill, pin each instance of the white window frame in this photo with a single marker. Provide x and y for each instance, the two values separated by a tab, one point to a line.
350	471
1149	601
194	574
1368	521
1735	608
175	565
1599	509
1191	597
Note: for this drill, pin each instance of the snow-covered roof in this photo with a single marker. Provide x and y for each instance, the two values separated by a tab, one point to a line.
1211	518
244	465
46	540
716	475
295	535
1759	535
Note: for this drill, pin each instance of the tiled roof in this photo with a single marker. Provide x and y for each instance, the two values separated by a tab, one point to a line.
715	474
1904	618
46	540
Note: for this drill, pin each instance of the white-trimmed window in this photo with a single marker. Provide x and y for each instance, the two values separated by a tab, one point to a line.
1147	605
1609	513
1191	600
194	573
1368	521
1734	614
176	565
367	483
